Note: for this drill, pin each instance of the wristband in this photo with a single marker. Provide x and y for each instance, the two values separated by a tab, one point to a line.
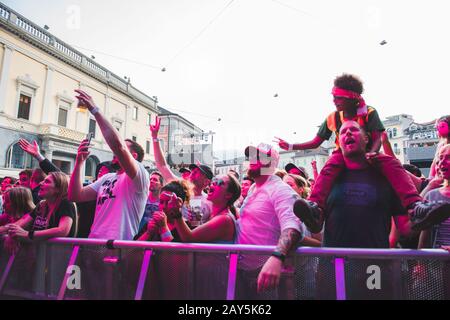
155	140
40	157
31	234
94	111
278	255
291	147
167	236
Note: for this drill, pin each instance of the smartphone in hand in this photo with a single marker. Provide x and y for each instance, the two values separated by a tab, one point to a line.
89	137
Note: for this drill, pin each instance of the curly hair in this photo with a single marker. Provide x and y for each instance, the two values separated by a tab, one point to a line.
349	82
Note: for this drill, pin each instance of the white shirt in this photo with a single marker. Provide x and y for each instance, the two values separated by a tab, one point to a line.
120	204
265	213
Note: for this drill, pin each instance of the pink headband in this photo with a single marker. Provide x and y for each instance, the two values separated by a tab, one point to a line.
362	108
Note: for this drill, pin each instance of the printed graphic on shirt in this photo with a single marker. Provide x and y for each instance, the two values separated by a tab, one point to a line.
107	191
359	194
40	223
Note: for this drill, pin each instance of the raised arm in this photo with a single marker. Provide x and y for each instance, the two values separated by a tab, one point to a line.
218	228
313	144
33	150
76	191
112	137
160	161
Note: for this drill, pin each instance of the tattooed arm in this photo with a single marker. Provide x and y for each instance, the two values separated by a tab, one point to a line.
269	277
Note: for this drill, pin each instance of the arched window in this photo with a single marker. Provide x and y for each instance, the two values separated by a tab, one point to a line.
394	132
389	133
16	158
91	166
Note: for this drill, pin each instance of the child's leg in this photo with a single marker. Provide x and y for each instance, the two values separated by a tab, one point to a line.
322	188
399	179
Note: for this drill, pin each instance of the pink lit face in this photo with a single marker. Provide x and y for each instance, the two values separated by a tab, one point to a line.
343	104
6	184
351	138
444	163
218	189
198	178
295	171
291	182
442	129
245	186
155	183
103	170
185	175
24	180
48	189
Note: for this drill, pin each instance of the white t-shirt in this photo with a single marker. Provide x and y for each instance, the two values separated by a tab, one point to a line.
120	204
263	215
199	210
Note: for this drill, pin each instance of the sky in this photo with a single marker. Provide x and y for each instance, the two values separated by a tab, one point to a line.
265	68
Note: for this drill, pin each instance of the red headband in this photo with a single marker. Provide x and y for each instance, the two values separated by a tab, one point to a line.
350	95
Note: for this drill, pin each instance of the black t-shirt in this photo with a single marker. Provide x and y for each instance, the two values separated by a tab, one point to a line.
359	210
65	209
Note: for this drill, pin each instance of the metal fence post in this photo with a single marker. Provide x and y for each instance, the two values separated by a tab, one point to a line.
6	272
143	275
232	272
73	258
339	269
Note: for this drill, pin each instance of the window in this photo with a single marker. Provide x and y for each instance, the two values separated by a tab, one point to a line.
16	158
118	125
24	107
394	133
92	126
147	147
90	168
134	138
135	113
149	119
62	117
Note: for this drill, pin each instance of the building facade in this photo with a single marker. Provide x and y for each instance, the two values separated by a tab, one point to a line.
395	128
183	142
421	145
39	73
304	158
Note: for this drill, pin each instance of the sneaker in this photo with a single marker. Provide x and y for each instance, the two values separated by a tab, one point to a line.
310	214
427	214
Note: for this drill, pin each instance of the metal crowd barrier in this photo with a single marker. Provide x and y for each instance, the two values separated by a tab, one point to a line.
68	268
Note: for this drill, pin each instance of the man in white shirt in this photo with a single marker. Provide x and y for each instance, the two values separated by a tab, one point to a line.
121	196
266	218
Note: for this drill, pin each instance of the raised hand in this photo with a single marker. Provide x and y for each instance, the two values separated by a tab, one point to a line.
83	151
283	144
154	129
160	219
31	149
314	164
85	99
174	207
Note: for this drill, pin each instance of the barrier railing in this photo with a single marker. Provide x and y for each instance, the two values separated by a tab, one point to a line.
67	268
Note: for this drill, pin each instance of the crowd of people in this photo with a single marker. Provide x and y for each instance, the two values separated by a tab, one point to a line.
362	198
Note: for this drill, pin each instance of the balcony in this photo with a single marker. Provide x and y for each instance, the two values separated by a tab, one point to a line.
75	269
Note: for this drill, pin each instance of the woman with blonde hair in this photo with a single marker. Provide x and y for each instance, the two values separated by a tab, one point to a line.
298	183
16	203
54	216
